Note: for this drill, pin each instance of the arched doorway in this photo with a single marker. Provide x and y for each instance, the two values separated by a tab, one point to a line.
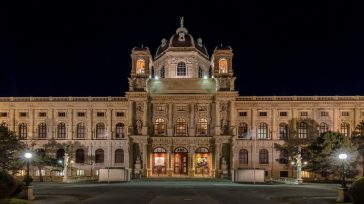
202	161
181	161
159	161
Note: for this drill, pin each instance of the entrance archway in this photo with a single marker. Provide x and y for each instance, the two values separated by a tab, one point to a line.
159	161
202	161
180	161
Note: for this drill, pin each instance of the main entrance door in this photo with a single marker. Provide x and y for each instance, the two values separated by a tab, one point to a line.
181	161
159	161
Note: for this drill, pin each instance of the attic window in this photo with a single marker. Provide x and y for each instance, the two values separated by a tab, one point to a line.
140	66
223	65
181	36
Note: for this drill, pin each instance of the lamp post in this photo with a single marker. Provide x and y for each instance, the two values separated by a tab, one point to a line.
28	156
343	190
28	189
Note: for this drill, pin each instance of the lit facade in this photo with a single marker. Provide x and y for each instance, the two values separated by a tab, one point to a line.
181	117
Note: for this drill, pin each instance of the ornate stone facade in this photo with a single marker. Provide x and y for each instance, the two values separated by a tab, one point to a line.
181	117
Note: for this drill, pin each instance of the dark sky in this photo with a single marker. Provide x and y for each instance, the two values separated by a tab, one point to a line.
60	48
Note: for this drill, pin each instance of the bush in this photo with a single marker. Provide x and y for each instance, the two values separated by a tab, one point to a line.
8	185
356	191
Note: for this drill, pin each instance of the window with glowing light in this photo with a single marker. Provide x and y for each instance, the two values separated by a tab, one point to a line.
263	131
202	126
159	126
181	69
223	65
181	127
345	129
140	66
323	128
302	130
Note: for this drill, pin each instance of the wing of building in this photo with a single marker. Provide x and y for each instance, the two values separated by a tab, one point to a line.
181	117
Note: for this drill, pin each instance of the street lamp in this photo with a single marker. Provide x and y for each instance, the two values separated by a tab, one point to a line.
28	156
343	157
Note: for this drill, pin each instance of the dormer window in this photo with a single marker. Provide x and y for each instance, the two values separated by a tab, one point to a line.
140	66
181	69
223	66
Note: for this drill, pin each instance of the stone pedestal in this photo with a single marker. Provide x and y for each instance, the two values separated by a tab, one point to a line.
343	195
28	193
169	172
299	181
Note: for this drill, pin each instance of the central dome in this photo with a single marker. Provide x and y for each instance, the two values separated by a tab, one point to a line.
181	41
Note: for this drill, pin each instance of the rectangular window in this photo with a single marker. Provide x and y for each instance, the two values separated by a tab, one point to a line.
37	173
243	114
81	114
304	113
80	172
100	114
160	108
119	114
42	114
202	108
324	113
3	114
283	174
59	173
181	108
22	114
263	114
345	113
61	114
283	114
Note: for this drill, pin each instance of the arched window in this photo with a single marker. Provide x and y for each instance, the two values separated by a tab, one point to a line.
23	130
323	128
243	156
283	131
80	156
163	72
140	66
181	127
100	131
263	156
120	130
283	156
181	69
42	130
302	130
243	130
81	130
99	156
119	156
200	72
60	154
223	65
202	126
61	130
159	126
263	131
344	129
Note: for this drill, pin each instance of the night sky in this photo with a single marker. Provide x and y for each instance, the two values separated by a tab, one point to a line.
60	48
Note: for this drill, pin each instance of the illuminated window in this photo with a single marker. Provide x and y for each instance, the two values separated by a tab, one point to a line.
99	156
81	130
263	156
243	156
263	131
181	69
202	126
140	66
323	128
283	131
23	130
223	66
80	172
302	130
42	130
61	130
120	130
181	127
159	127
119	156
100	130
243	130
345	128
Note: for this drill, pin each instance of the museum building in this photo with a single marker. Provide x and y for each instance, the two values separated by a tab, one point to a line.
181	117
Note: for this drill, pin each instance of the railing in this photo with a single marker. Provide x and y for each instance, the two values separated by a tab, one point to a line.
61	99
284	180
300	98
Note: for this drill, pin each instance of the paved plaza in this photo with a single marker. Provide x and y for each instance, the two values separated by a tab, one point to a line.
190	192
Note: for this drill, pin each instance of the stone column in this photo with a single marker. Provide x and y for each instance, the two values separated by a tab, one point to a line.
217	159
192	120
275	125
12	121
356	117
70	124
145	118
191	157
169	159
336	120
170	120
32	125
90	122
217	118
232	118
109	125
130	118
253	126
